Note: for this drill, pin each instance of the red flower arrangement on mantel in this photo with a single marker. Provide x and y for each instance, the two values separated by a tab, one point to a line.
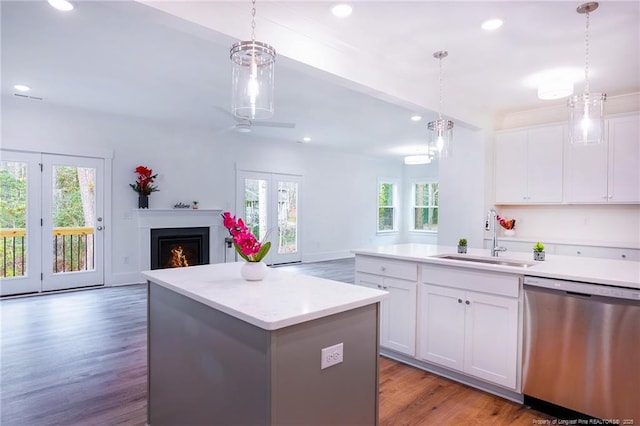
246	244
506	223
144	184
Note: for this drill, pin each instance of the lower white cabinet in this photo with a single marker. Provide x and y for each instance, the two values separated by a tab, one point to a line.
397	311
469	331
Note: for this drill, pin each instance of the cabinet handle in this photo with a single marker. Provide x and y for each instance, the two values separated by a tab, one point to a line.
459	300
379	286
467	302
384	287
578	252
383	268
610	196
624	256
604	197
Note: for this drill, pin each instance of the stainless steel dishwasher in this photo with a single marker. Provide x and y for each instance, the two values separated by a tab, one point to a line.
582	347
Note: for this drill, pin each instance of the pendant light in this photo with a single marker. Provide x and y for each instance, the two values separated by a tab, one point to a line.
586	111
440	130
252	76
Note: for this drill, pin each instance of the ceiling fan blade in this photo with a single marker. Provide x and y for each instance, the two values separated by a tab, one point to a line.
273	124
228	113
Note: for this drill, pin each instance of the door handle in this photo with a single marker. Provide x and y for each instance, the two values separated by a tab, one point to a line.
99	228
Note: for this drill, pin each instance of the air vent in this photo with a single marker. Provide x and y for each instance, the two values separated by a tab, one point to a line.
20	95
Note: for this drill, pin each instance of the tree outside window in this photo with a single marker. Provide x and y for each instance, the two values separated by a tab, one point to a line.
387	202
425	206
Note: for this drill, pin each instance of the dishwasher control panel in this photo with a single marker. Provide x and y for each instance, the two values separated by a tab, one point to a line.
584	288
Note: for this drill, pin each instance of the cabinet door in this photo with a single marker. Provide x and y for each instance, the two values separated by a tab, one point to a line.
624	159
586	173
441	326
511	167
545	146
491	338
399	316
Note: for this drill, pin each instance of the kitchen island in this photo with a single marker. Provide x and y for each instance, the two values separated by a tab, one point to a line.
222	350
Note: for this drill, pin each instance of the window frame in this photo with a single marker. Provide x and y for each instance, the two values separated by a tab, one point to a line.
413	206
395	205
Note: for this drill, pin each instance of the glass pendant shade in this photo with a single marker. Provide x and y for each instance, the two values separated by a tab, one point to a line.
440	137
586	118
252	76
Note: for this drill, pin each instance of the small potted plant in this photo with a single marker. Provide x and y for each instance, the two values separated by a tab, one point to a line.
194	205
538	251
462	245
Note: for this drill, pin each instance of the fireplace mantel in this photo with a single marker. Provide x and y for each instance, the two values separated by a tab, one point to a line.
178	218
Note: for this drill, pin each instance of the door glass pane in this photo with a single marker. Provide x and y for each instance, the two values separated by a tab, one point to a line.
255	206
287	217
73	218
13	218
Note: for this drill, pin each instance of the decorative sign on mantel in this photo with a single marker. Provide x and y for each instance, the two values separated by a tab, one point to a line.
181	205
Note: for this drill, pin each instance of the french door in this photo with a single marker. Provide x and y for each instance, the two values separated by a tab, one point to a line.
269	203
51	222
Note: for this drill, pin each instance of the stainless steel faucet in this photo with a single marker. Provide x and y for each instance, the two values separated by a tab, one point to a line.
492	223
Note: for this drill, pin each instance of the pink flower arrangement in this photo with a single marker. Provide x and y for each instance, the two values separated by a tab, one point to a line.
506	223
246	244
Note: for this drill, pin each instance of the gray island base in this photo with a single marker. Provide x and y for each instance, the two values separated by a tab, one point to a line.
206	366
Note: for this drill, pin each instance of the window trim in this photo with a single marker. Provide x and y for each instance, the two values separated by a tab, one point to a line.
412	206
396	205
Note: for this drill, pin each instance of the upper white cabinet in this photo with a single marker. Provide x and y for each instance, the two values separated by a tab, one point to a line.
609	172
528	165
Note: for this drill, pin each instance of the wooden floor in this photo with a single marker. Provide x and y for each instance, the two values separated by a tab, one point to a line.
79	358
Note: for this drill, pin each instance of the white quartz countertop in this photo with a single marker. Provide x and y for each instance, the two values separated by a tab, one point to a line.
282	299
619	273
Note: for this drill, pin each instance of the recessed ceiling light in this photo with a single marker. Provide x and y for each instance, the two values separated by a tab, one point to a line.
491	24
306	139
62	5
22	87
414	160
342	10
416	117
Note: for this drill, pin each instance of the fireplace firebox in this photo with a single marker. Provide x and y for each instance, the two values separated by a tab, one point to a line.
179	247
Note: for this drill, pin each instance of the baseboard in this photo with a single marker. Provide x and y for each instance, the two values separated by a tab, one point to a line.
125	278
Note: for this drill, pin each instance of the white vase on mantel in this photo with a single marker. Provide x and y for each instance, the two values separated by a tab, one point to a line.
509	232
253	271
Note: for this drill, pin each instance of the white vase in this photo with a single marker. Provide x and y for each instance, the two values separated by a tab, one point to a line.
509	233
253	271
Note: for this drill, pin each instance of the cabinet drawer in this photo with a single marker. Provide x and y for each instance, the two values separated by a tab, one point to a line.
368	280
472	279
602	252
387	267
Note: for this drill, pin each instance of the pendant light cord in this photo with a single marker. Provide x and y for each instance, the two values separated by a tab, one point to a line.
253	20
586	56
440	89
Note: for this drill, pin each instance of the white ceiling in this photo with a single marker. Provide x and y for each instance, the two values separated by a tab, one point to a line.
349	84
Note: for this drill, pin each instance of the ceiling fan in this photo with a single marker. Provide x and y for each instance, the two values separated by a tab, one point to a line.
244	125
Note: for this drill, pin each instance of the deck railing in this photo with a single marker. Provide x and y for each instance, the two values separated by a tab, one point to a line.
72	250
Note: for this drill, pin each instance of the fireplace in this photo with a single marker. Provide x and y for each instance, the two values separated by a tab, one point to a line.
179	247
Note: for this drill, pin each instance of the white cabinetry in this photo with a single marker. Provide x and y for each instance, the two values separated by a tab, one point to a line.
609	172
398	310
528	165
472	331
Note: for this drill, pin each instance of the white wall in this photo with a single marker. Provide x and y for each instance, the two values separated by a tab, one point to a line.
340	190
462	189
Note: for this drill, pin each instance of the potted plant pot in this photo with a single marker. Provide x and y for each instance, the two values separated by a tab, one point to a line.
538	255
462	245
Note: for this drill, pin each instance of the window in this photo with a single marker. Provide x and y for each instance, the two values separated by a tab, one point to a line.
425	206
387	202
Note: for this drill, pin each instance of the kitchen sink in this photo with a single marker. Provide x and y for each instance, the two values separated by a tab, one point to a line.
488	260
